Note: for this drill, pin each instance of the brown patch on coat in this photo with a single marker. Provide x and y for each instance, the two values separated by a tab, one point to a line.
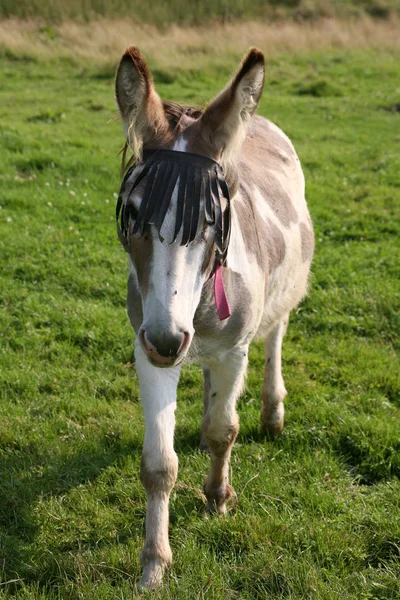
275	245
134	303
256	171
307	242
141	252
161	480
219	446
216	487
278	200
209	257
219	449
156	550
263	239
249	224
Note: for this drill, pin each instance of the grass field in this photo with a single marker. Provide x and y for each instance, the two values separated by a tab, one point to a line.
318	513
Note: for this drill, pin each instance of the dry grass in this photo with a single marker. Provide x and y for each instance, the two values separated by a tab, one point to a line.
103	41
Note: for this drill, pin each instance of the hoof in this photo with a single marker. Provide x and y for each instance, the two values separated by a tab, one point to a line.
272	422
217	500
273	429
152	576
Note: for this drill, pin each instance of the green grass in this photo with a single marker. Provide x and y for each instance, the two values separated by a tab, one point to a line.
318	509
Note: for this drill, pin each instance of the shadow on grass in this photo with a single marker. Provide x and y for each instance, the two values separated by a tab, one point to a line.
369	457
186	442
24	480
28	475
369	462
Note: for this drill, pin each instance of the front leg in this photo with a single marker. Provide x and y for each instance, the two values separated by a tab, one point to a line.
220	424
159	465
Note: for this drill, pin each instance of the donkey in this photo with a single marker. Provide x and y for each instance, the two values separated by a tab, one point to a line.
212	213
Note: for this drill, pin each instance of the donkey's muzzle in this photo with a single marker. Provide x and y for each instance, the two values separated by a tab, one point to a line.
164	349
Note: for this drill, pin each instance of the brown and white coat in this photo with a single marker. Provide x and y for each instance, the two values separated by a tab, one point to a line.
170	290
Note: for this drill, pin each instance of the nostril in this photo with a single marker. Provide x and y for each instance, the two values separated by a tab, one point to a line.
146	342
185	341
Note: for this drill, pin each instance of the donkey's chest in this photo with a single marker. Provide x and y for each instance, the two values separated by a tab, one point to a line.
214	337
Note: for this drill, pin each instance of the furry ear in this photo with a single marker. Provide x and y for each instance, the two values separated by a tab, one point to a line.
224	120
140	106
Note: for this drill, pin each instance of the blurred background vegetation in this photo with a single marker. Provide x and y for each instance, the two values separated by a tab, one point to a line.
195	12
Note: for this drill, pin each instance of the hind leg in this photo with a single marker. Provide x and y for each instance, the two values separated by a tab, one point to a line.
273	390
206	400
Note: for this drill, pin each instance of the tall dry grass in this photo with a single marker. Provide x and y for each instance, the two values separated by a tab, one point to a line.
193	12
102	41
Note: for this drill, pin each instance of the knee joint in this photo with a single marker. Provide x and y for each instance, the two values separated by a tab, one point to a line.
158	478
156	552
219	439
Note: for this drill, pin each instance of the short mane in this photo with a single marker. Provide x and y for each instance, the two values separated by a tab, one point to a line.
174	113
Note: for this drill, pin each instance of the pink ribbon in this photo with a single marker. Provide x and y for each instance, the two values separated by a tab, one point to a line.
221	301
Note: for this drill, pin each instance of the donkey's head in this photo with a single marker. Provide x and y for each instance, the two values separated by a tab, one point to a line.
174	201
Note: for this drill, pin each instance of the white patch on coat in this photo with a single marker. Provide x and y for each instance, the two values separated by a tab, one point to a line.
180	144
282	134
176	283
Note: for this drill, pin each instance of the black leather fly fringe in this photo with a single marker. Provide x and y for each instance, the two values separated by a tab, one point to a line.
201	188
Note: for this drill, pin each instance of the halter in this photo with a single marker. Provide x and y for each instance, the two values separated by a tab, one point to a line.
201	184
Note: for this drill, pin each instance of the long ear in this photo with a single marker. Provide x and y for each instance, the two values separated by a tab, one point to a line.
225	119
140	106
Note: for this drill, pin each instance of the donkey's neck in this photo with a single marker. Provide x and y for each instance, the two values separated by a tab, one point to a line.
232	177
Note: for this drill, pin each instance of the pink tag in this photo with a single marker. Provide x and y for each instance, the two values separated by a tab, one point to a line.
221	301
